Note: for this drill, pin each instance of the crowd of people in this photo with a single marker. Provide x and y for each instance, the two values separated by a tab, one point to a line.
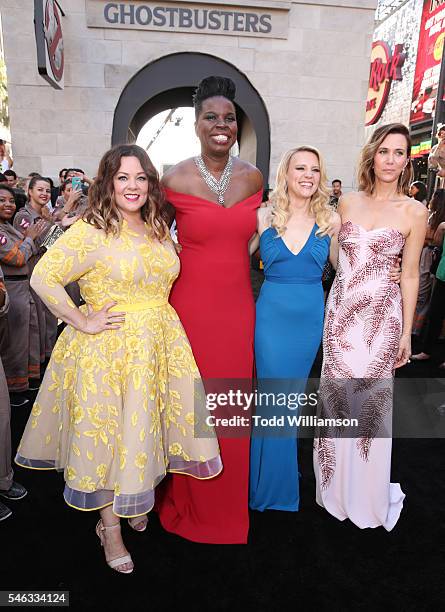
151	327
31	209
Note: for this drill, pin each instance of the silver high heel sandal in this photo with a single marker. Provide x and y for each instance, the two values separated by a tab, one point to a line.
113	563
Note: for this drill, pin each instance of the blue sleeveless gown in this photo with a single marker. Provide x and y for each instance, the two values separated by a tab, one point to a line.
288	331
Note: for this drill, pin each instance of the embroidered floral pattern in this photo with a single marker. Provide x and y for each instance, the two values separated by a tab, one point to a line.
115	407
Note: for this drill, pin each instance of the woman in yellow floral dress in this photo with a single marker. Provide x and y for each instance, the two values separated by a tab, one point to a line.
117	408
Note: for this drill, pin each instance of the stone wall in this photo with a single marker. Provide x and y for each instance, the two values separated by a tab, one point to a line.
314	83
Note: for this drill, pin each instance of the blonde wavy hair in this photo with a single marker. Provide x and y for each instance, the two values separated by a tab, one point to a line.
365	173
279	198
102	211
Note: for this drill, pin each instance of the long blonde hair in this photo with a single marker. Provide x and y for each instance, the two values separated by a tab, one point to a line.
102	211
365	172
279	198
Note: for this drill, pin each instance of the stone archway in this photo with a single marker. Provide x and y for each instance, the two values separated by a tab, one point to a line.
169	82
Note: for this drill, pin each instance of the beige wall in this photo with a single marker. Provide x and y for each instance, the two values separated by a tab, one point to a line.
314	83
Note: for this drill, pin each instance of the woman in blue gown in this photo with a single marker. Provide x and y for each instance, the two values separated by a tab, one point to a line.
295	244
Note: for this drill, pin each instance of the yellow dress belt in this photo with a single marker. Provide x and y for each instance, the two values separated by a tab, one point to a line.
137	306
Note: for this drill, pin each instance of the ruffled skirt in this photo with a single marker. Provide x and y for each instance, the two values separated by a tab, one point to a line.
118	410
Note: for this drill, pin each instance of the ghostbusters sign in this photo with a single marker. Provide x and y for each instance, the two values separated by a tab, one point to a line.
385	68
260	18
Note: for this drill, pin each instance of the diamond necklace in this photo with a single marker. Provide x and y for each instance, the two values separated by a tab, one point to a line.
218	187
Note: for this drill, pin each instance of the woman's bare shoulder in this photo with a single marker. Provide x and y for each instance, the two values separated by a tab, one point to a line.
264	217
175	177
348	200
335	222
250	173
265	210
352	196
416	210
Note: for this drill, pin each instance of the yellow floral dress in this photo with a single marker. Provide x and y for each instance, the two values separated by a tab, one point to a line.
118	409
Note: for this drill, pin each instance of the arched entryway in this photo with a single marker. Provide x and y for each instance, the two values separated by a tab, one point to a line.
169	82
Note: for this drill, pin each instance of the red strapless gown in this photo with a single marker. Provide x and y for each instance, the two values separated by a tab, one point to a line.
214	301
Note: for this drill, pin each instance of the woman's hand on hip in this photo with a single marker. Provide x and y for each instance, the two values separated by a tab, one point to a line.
396	272
103	320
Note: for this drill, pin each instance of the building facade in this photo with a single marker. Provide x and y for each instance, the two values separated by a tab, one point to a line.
406	66
301	69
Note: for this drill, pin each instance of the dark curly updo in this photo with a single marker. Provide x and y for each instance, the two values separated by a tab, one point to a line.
213	86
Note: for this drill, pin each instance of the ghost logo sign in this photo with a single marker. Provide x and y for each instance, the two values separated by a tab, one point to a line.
49	40
54	39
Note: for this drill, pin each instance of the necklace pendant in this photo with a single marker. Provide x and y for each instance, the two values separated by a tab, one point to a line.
217	186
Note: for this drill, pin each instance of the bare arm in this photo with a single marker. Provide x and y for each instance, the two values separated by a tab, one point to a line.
70	203
68	221
409	281
433	160
439	235
254	243
336	222
428	237
264	218
334	228
8	157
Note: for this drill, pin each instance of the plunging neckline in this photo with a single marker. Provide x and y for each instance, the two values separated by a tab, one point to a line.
189	195
285	245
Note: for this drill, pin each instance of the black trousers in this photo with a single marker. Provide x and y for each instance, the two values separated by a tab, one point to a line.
436	316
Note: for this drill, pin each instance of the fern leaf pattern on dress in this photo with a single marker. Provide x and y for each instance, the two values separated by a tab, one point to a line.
325	452
351	308
333	353
369	271
351	249
380	311
383	364
363	323
372	415
334	402
382	242
340	287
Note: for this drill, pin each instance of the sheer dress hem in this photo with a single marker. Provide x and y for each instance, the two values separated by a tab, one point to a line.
125	505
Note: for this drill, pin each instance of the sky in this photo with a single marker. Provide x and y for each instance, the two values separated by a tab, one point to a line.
175	142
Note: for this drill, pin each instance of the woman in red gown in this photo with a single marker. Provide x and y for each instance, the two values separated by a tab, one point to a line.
214	197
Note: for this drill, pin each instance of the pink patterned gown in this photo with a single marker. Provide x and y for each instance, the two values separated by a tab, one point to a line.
361	337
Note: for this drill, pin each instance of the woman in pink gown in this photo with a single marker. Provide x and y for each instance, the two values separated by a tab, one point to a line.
367	333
